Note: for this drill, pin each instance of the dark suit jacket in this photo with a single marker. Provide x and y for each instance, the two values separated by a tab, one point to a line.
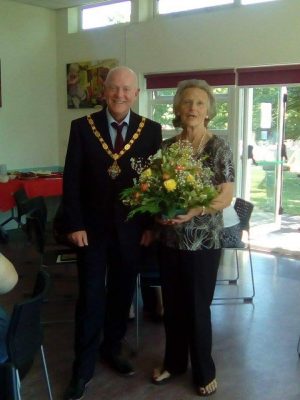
90	196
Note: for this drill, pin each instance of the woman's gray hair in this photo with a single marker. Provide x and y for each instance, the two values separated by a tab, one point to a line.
199	84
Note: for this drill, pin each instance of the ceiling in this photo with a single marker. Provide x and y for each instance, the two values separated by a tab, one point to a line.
57	4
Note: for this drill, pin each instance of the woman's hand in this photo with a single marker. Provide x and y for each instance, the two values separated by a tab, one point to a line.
182	218
164	221
193	212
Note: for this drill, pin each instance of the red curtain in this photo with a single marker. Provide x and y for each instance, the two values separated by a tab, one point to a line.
272	75
224	77
252	76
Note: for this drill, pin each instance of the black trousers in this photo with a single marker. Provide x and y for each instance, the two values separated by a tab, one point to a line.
107	271
188	282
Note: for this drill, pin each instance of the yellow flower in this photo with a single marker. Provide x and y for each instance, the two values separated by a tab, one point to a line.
147	173
170	185
190	178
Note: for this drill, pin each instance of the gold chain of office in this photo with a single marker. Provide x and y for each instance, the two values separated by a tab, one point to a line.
114	170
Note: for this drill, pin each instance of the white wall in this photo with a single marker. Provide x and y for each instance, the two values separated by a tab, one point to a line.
28	117
220	38
260	34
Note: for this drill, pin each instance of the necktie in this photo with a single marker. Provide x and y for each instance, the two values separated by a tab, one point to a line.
119	143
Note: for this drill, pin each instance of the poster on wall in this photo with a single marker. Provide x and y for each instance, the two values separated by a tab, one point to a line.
0	87
85	83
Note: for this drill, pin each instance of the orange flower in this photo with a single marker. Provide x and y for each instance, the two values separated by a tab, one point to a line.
144	186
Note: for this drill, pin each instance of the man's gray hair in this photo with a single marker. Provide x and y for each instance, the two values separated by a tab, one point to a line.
112	71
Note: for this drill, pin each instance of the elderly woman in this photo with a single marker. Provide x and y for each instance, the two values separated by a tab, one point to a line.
190	248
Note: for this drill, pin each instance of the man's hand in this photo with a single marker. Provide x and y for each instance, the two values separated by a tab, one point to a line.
79	238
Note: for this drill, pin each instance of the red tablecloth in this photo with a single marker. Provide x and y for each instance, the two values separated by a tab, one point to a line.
33	187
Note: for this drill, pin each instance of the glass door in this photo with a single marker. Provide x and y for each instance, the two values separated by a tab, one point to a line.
262	135
269	149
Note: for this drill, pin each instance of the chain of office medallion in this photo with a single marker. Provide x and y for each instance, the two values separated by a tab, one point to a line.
116	156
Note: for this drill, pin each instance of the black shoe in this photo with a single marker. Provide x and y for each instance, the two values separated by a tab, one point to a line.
119	363
76	389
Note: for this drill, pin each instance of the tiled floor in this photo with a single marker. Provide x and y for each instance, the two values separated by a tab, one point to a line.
282	238
255	345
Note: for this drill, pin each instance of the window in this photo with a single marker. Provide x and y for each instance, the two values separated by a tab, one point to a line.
173	6
161	110
162	107
245	2
105	14
170	6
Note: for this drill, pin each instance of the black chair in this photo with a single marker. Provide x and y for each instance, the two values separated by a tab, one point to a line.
8	382
145	279
298	347
25	335
36	223
148	277
25	205
244	211
51	256
3	235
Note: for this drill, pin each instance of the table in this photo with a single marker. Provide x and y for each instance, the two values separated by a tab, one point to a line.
34	187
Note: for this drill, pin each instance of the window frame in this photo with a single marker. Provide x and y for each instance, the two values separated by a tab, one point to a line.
235	3
192	10
227	134
255	2
102	4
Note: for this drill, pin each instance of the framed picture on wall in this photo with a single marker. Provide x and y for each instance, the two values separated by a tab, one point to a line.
85	82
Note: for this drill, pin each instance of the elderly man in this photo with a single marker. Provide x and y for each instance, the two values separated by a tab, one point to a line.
97	169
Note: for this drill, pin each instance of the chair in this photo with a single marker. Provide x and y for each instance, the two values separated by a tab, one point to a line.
36	223
244	210
298	347
25	205
148	276
25	335
3	235
149	279
8	382
50	256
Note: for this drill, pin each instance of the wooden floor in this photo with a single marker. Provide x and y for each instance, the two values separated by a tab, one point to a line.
255	345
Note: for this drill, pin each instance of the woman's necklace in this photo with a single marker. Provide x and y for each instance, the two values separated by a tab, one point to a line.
198	148
202	143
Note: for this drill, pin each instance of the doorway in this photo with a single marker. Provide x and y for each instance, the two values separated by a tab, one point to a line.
269	149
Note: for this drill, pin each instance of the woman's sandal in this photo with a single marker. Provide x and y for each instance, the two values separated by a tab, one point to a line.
208	390
161	376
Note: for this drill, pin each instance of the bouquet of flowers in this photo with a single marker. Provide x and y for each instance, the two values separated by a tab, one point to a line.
169	183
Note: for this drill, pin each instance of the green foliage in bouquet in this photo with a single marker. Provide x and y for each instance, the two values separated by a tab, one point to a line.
171	182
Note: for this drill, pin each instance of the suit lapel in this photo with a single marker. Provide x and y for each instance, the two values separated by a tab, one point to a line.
133	125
